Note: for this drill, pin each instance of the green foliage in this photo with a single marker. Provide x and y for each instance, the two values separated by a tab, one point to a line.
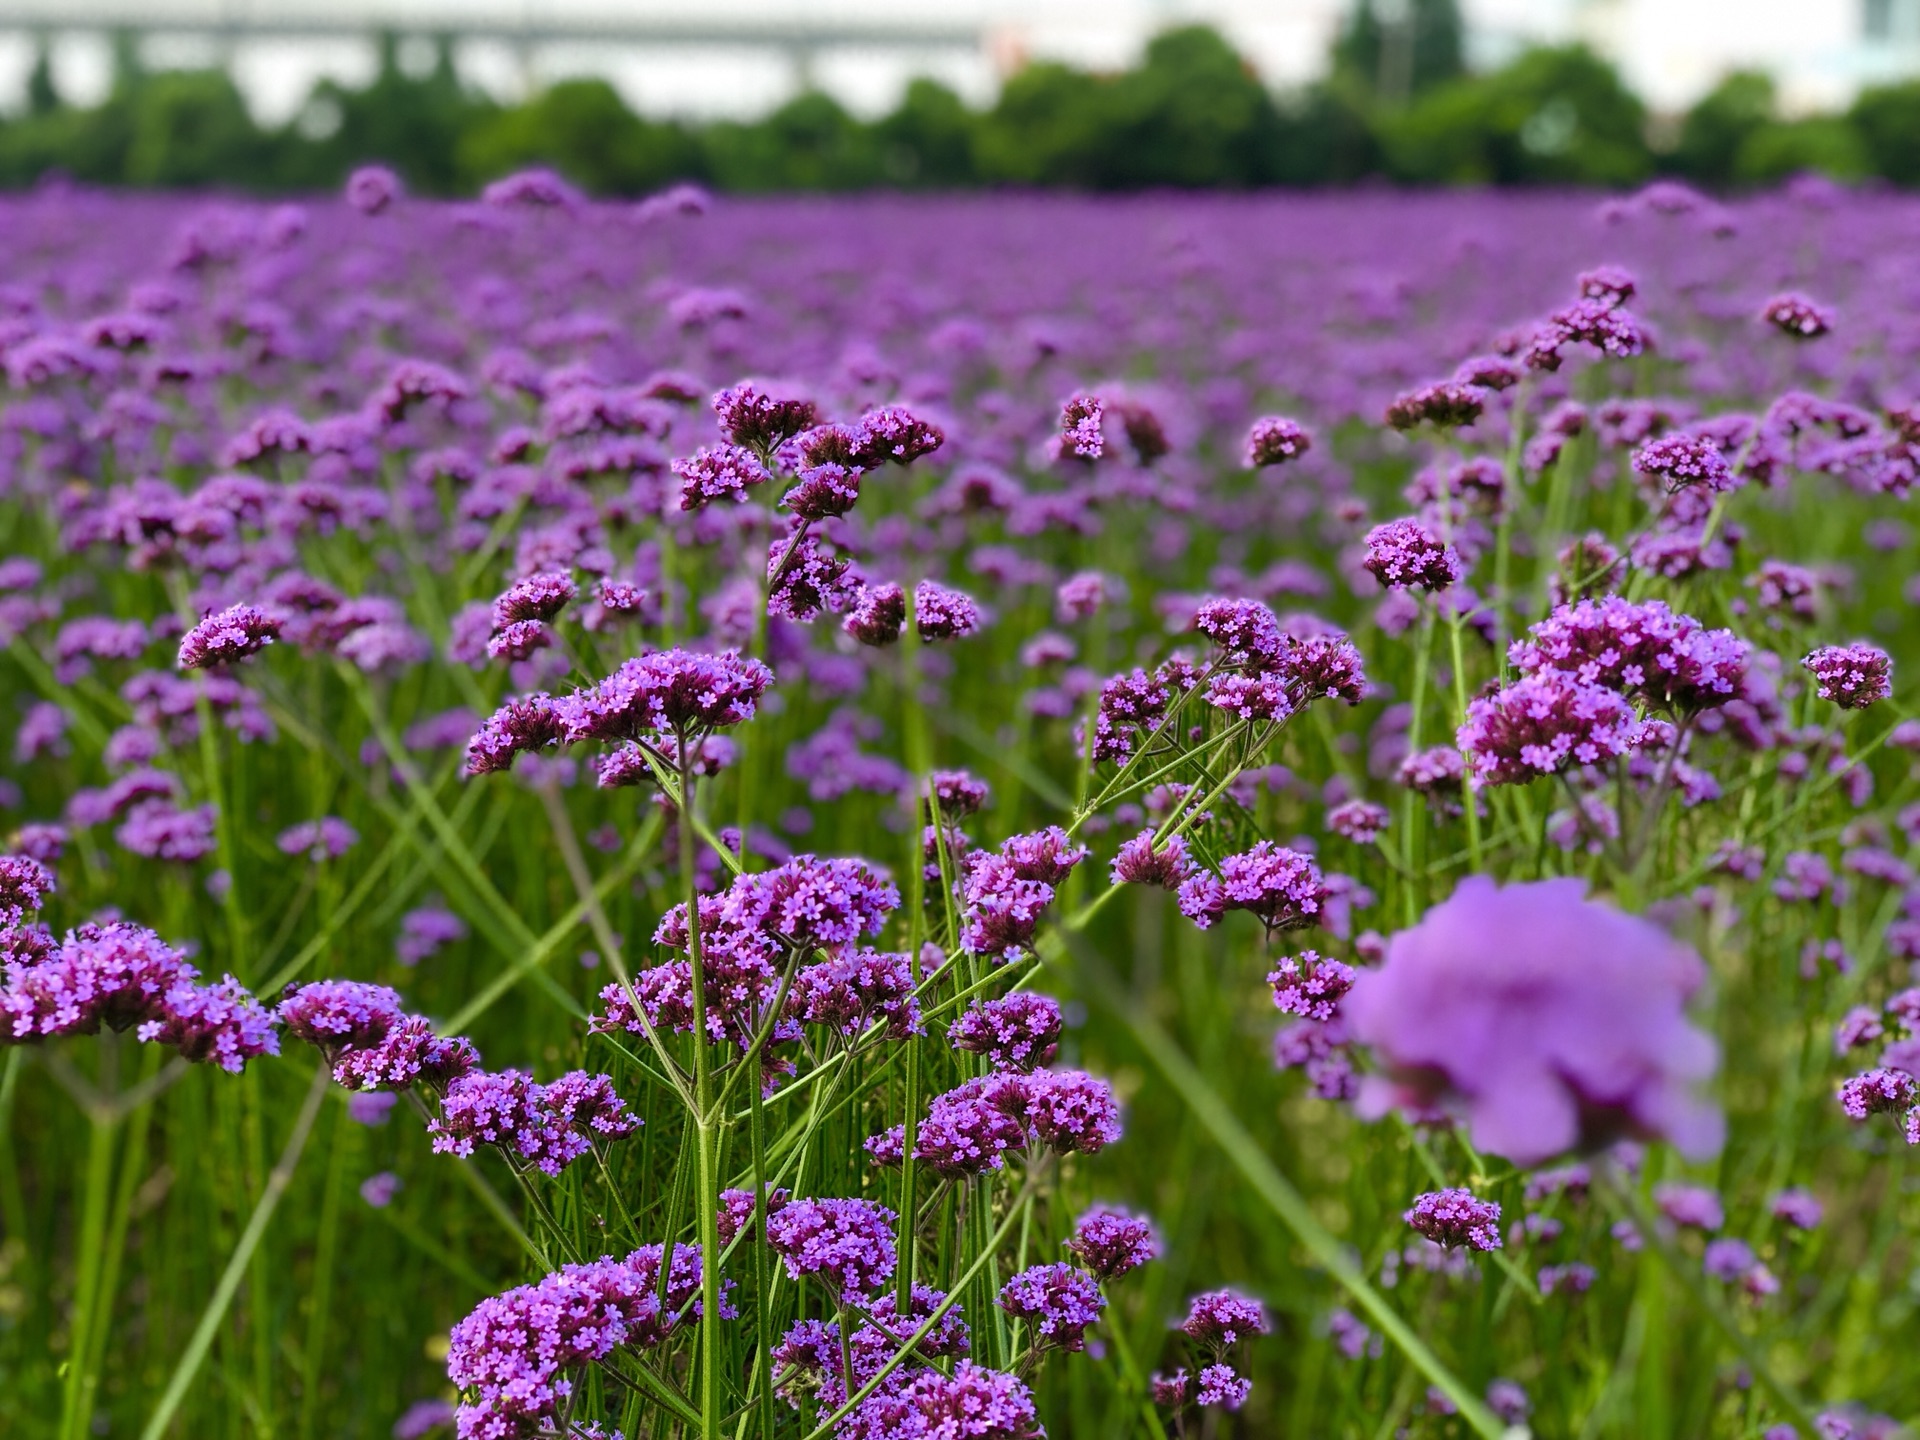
1723	120
1398	58
1888	122
1824	143
1553	115
1192	114
584	130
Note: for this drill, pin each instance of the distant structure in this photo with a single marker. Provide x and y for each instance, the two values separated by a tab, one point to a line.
742	56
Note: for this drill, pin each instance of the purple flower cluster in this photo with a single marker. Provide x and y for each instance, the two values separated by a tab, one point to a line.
1454	1218
124	977
1018	1032
1274	440
1643	651
1309	985
845	1244
970	1129
1282	887
1405	555
1852	676
1569	1034
228	637
1058	1301
1542	724
512	1354
1110	1243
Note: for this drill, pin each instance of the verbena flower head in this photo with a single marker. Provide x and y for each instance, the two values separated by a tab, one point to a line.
372	188
538	597
337	1015
974	1403
957	792
1542	724
327	838
894	433
1361	821
228	637
1071	1112
1057	1301
1222	1318
1681	462
846	1244
1794	314
25	885
1111	1243
1274	440
753	417
1642	650
1446	405
670	692
1547	1021
1404	554
1852	676
521	726
943	614
877	616
1080	433
1018	1032
1283	887
1140	862
1454	1218
1223	1386
1309	985
725	472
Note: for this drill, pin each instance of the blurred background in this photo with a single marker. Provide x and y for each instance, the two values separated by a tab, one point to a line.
626	95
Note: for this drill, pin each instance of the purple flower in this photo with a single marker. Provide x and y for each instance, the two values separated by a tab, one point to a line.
877	616
1071	1111
1080	433
752	417
1444	404
1694	1206
1644	651
1542	724
530	723
228	637
371	189
1307	985
943	614
1283	887
1111	1243
970	1128
424	931
894	433
1797	1208
677	692
534	189
1728	1259
1567	1031
1362	821
846	1244
1140	863
24	886
1170	1392
379	1190
726	472
1221	1318
1404	554
1796	315
1682	462
1274	440
1574	1278
1878	1092
973	1404
1224	1386
1057	1300
337	1015
327	838
1019	1032
538	597
1454	1218
1852	676
957	792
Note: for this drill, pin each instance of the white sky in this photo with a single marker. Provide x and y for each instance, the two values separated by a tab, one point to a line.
1671	50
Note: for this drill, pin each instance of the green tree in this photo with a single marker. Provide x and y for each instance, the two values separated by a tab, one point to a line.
583	129
43	96
1045	129
412	122
1887	120
191	127
1720	123
929	139
1396	49
1827	143
1557	115
809	143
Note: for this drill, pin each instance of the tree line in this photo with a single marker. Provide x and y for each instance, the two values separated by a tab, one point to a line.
1397	103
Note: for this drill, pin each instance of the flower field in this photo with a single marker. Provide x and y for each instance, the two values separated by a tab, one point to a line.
882	818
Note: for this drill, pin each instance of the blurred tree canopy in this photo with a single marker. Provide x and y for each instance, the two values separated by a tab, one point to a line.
1398	102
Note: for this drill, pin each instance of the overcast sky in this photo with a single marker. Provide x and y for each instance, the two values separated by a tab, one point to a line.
1672	50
